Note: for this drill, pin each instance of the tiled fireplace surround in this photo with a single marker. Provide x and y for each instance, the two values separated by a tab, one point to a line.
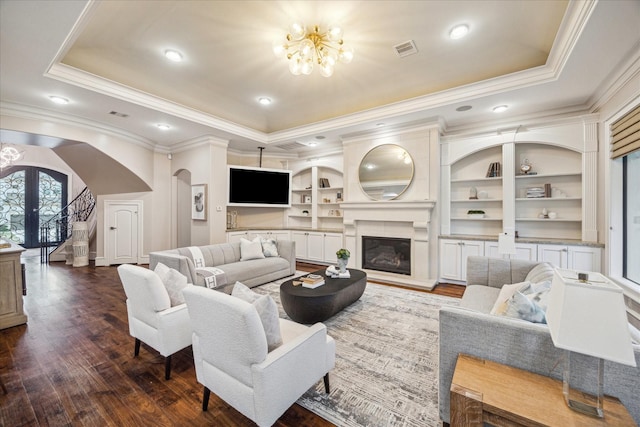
400	219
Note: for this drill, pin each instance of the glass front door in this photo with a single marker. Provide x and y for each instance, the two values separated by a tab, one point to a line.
30	196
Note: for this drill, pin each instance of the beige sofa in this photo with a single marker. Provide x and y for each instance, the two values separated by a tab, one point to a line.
227	257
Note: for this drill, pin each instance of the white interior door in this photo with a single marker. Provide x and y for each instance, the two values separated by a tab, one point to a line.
122	231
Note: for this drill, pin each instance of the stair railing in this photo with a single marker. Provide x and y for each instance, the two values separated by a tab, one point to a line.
78	209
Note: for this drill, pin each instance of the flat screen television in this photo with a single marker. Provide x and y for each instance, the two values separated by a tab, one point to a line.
259	187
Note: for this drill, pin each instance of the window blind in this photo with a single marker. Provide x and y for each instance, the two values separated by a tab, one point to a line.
625	134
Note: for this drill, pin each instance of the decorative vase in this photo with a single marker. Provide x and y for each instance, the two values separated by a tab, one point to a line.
342	264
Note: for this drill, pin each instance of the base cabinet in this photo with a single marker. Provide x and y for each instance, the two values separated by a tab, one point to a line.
454	254
11	288
317	246
235	236
453	257
583	258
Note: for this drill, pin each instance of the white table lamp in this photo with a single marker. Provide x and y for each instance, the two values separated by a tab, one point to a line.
586	314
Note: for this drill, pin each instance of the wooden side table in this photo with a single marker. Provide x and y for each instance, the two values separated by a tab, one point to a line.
484	391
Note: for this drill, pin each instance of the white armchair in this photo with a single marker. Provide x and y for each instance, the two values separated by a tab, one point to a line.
152	320
231	358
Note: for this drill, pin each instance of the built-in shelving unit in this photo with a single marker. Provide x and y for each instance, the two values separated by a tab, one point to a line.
468	179
555	199
322	204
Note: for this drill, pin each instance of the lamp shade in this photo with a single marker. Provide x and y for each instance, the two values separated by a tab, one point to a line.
589	317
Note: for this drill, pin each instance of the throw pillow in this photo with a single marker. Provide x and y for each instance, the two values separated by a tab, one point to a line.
267	310
173	281
250	249
520	306
269	247
507	291
540	273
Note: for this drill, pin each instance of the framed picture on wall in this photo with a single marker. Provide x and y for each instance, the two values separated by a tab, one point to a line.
199	202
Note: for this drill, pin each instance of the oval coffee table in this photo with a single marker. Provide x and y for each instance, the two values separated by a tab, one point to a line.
304	305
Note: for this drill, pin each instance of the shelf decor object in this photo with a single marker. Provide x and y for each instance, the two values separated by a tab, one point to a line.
586	314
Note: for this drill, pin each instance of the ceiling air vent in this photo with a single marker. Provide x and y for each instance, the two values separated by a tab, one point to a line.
406	48
291	146
115	113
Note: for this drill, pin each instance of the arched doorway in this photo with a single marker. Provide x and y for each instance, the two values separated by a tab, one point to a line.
29	197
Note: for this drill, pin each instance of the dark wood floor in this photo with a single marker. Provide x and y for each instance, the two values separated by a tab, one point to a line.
73	363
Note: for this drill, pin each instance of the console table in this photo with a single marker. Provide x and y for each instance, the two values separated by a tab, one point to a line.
11	311
487	392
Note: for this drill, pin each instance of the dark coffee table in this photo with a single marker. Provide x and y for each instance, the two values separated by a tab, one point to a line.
304	305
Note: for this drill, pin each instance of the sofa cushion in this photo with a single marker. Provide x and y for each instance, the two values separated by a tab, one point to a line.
479	298
267	310
173	281
250	249
540	273
242	271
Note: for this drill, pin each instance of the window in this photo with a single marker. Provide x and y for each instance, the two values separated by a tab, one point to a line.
631	217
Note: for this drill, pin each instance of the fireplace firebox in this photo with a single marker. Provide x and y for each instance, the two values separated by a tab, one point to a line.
389	254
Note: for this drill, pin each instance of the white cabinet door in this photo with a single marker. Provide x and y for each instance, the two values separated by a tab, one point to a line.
470	248
300	238
584	258
491	250
556	255
235	236
453	257
526	251
315	246
280	234
450	259
332	243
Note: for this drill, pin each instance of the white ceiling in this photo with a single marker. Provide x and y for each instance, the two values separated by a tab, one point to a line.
538	57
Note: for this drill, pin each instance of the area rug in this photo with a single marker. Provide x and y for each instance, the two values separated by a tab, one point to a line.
386	359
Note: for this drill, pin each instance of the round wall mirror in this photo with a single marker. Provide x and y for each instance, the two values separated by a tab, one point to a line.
386	172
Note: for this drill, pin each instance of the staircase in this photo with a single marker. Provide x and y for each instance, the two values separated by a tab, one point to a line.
56	233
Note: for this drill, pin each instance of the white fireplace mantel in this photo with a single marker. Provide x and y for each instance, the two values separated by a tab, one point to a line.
380	218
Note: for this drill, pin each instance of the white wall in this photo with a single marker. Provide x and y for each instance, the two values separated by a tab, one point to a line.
206	161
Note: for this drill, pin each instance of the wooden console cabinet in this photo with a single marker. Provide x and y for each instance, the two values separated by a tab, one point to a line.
11	310
487	392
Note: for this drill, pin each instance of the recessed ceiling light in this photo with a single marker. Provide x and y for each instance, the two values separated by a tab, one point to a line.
173	55
59	100
163	126
320	137
312	144
459	31
264	100
380	125
500	108
464	108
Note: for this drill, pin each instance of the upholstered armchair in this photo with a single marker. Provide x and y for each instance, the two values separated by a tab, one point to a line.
232	360
152	320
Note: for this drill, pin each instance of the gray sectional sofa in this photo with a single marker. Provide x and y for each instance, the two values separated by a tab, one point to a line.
227	257
470	329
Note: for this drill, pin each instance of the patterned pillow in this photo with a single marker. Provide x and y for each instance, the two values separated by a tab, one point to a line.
250	249
520	306
507	291
269	247
267	310
173	281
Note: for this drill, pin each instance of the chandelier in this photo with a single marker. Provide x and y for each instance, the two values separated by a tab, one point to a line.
8	155
305	48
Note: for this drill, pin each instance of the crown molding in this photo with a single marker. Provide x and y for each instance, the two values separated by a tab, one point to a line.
32	113
569	32
200	141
